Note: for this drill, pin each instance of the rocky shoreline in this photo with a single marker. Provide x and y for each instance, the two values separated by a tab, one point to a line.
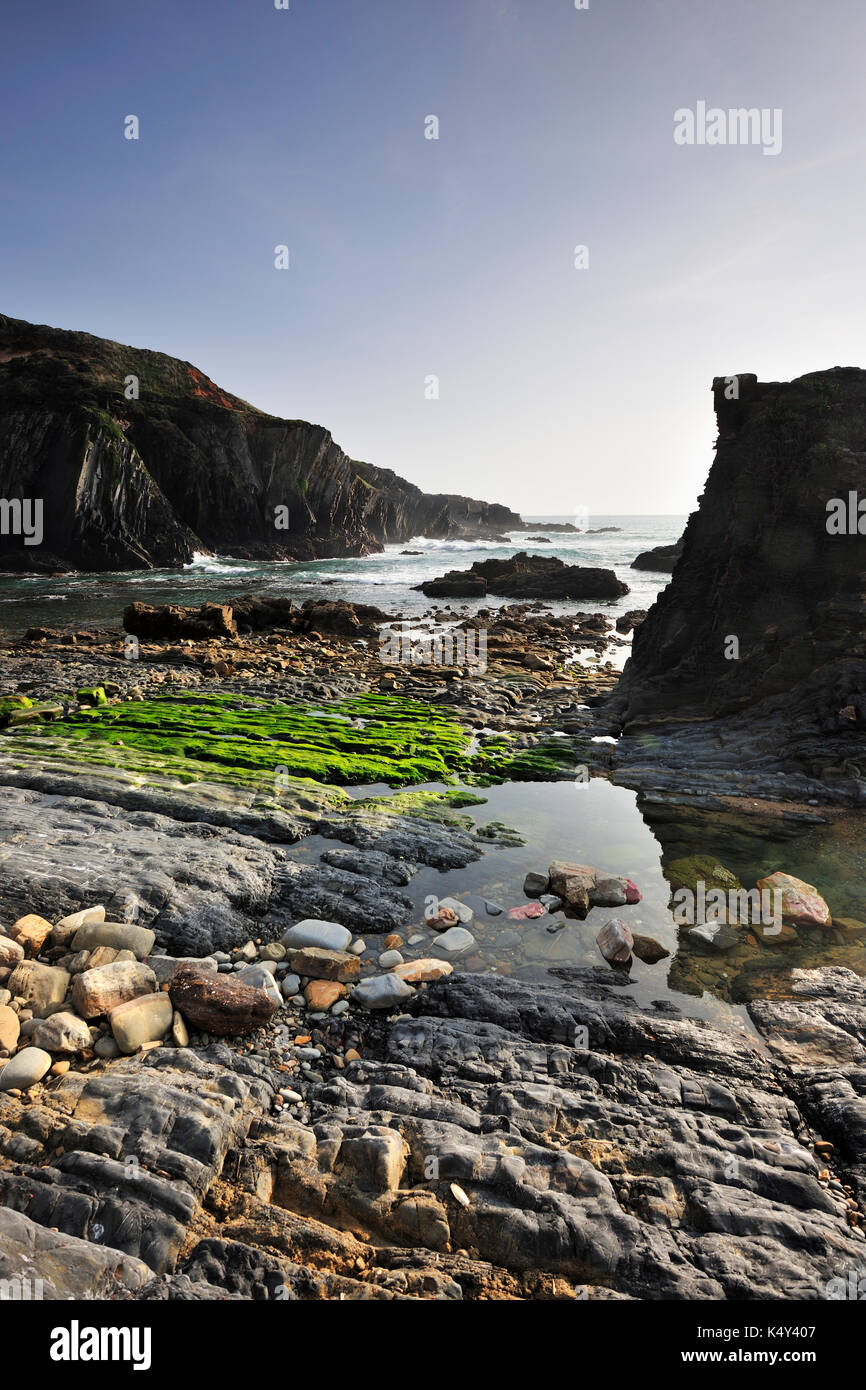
476	1136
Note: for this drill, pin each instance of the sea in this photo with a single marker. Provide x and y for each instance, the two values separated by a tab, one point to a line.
389	580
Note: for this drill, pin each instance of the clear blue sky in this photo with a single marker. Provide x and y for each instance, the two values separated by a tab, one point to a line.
559	388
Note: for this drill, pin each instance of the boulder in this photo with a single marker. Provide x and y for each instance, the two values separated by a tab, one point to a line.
140	1021
455	941
416	972
40	985
574	884
10	1028
166	967
31	932
330	936
321	994
169	622
98	991
26	1068
647	949
63	1032
220	1004
63	931
802	904
11	952
714	936
123	936
257	976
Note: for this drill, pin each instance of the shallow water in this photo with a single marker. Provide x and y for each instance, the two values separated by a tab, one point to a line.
386	580
601	824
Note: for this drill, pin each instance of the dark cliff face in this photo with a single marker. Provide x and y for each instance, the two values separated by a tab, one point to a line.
132	483
760	569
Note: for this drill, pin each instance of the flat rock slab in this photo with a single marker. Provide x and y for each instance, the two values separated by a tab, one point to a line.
200	886
36	1263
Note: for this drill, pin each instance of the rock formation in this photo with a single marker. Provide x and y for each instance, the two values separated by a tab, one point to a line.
763	625
661	558
526	576
184	467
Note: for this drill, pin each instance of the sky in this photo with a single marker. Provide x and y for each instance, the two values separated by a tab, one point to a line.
560	389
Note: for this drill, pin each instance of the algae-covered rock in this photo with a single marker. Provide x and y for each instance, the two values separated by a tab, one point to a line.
91	696
699	868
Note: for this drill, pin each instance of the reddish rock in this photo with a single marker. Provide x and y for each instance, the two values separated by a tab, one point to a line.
615	941
31	932
574	884
220	1004
321	994
801	902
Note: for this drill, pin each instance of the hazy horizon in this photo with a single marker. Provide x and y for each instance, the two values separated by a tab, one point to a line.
454	258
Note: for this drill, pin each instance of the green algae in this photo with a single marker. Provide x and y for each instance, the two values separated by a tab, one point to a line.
243	740
270	746
91	695
10	705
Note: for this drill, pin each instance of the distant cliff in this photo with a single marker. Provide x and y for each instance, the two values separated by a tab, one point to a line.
765	615
135	483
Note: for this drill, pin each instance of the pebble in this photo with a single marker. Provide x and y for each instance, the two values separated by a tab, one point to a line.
291	986
358	947
179	1030
416	939
10	1027
389	959
455	940
383	991
462	912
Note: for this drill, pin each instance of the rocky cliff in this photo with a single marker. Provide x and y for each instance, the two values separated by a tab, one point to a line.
763	624
184	466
